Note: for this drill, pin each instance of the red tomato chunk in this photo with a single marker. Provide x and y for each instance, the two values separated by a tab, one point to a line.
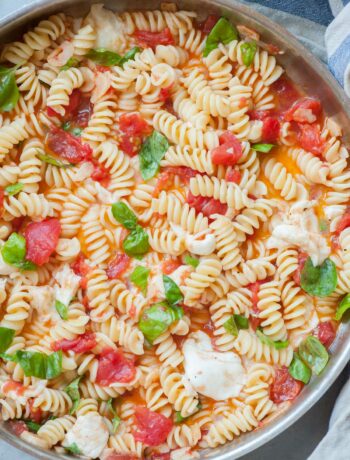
302	256
117	266
344	222
270	129
36	414
310	139
133	128
81	344
79	266
325	332
233	175
228	152
41	240
17	427
113	367
79	109
100	174
285	92
151	428
152	39
67	146
284	387
209	23
170	265
304	110
207	206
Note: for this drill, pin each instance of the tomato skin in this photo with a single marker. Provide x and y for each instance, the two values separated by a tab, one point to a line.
209	23
184	172
305	110
81	344
36	414
310	139
113	367
79	266
207	206
41	240
100	174
117	266
67	146
150	427
17	427
170	265
284	387
165	93
344	222
302	257
270	129
152	39
228	152
259	114
74	100
233	175
325	332
134	125
51	112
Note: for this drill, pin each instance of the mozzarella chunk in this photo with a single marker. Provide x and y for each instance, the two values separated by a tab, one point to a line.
89	433
43	301
67	284
214	374
199	245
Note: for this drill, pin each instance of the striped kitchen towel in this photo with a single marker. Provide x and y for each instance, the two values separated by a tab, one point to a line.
321	25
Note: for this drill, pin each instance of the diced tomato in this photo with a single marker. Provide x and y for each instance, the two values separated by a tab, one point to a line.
302	257
79	266
255	322
17	223
41	240
228	152
305	110
74	100
100	174
169	265
113	367
102	68
207	206
165	93
233	175
259	114
310	139
130	145
325	332
254	288
115	456
183	172
17	427
36	414
117	266
83	113
150	427
81	344
286	93
67	146
152	39
51	112
344	222
284	387
134	125
12	385
335	244
207	25
270	129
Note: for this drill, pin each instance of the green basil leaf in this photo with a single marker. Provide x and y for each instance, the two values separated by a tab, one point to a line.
8	357
32	426
72	62
124	215
73	392
235	323
52	161
342	307
264	148
223	32
129	55
14	188
172	291
319	281
36	364
189	260
278	344
178	417
314	354
323	225
14	250
9	93
136	243
155	320
26	266
140	278
176	312
116	422
299	370
74	449
248	51
66	126
6	337
151	154
110	406
102	56
61	309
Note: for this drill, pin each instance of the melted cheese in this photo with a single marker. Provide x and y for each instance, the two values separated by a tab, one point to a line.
67	284
199	245
218	375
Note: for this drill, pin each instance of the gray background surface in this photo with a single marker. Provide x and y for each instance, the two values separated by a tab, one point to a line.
299	440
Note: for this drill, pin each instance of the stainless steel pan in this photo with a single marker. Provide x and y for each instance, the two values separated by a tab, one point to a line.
314	77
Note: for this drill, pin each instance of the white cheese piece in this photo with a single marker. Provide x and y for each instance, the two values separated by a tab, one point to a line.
199	245
68	284
68	248
89	433
214	374
43	301
6	269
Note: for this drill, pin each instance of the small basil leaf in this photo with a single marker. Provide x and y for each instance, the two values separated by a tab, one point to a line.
129	55
342	307
223	32
264	148
140	278
26	266
36	364
110	406
155	320
248	51
123	214
14	188
136	243
14	250
73	392
52	161
314	354
176	312
102	56
116	422
9	93
6	337
299	370
319	281
72	62
66	126
235	323
151	154
61	309
267	341
189	260
74	449
172	291
178	417
32	426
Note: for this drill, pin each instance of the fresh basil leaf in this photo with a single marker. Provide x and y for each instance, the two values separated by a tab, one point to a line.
116	422
235	323
66	126
342	307
155	320
189	260
14	250
299	370
110	406
72	62
74	449
172	291
264	148
314	354
52	161
248	50
124	215
61	309
136	243
151	154
8	357
278	344
13	189
26	266
223	32
102	56
178	417
6	337
32	426
319	281
129	55
9	93
176	312
36	364
73	392
140	278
